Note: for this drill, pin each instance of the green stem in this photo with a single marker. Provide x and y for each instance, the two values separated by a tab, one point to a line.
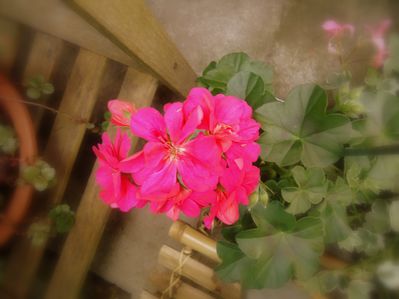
392	149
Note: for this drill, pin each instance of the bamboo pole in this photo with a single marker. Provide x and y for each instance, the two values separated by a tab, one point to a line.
194	239
146	295
160	279
198	273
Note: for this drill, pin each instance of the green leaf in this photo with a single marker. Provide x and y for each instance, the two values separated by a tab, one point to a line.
33	93
363	240
40	175
377	220
39	232
217	75
47	88
300	130
391	64
359	289
63	218
272	217
323	282
282	254
8	140
333	212
394	215
311	189
234	262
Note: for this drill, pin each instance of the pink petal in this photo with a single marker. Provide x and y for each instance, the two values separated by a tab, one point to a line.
133	163
228	211
121	112
200	167
149	124
161	181
174	119
201	97
190	208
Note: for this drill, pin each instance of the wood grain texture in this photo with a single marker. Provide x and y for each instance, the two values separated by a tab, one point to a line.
63	23
9	35
92	215
62	149
42	60
133	28
43	56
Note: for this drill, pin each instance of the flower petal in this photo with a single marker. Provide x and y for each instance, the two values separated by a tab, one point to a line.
149	124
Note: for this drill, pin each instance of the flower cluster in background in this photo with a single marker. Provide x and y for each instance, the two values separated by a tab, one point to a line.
199	154
337	32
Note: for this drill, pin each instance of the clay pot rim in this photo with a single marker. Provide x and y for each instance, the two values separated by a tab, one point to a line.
18	205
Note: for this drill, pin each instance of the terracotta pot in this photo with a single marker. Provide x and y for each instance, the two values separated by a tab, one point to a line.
17	207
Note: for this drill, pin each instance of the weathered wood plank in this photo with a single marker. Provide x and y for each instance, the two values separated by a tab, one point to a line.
133	28
43	56
9	34
145	45
64	23
62	149
42	60
92	214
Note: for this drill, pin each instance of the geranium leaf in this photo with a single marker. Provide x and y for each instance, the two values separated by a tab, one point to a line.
393	215
391	64
300	130
311	189
282	254
377	220
333	213
249	86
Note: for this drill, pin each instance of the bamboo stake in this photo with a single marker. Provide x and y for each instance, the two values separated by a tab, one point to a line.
198	273
160	278
192	238
146	295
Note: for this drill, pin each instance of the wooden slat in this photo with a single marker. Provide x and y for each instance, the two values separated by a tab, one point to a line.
92	215
151	50
147	295
9	34
64	23
42	60
133	28
63	146
43	56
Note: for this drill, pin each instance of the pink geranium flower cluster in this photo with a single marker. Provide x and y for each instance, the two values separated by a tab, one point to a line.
377	34
199	154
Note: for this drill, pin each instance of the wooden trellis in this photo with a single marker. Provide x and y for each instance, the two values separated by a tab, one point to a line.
124	32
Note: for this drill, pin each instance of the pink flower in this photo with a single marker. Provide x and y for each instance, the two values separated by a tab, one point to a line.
335	31
227	118
178	201
235	187
378	38
116	188
172	153
121	112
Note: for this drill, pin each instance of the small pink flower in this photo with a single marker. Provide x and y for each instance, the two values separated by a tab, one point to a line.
178	201
121	112
378	39
235	187
116	188
172	153
227	118
335	31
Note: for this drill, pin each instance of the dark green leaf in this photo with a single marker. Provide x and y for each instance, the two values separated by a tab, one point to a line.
300	130
311	189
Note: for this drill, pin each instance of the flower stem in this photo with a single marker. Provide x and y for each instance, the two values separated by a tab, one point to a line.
392	149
